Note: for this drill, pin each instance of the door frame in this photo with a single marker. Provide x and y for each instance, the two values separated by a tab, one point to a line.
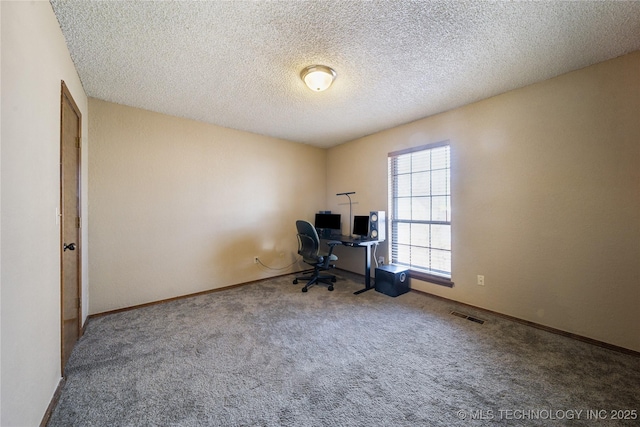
65	96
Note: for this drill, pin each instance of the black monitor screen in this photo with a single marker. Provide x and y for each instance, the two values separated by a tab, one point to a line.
328	221
361	225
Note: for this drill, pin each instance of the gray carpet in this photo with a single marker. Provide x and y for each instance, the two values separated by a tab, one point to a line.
267	354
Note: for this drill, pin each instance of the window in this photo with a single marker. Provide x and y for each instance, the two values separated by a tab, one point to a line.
420	211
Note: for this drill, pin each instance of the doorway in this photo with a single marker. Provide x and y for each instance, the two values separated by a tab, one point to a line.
70	265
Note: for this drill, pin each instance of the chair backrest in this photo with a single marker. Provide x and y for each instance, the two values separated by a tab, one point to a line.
308	241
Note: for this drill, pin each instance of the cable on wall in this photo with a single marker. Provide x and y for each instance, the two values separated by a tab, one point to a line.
278	268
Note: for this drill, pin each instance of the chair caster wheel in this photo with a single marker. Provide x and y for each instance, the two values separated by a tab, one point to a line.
304	289
333	279
295	281
330	288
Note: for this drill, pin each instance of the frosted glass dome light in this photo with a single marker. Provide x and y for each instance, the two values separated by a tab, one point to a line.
318	77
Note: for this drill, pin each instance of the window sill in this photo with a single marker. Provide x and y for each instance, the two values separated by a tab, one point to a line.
431	278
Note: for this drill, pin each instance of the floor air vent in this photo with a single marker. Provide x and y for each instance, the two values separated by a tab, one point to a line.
466	316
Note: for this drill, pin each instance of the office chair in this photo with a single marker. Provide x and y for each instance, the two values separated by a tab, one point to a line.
309	248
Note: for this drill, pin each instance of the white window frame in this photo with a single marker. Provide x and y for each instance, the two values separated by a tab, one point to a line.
408	245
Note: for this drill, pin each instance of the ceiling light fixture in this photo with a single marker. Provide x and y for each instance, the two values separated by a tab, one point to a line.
318	77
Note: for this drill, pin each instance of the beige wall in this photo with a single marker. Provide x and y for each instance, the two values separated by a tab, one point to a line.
545	196
34	61
179	206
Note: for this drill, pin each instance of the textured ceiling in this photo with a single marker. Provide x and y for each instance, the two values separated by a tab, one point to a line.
236	64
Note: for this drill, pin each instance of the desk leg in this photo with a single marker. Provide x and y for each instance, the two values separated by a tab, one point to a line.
367	271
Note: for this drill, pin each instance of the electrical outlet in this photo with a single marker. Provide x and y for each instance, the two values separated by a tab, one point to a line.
480	280
255	260
381	260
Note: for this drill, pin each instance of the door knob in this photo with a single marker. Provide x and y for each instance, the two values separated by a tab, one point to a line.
70	246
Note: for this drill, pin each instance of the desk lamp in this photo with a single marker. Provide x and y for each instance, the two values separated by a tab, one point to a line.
347	194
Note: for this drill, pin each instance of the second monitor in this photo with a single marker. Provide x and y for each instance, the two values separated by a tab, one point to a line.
361	226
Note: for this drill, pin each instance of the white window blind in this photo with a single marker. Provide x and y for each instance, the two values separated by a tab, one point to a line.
420	209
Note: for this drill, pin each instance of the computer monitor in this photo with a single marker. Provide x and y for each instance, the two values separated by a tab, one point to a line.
361	225
328	221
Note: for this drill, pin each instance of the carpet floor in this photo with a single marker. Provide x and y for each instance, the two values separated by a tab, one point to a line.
266	354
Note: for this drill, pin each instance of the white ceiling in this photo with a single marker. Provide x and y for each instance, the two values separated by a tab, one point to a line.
236	63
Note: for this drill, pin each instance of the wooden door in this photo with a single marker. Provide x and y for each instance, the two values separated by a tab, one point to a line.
70	126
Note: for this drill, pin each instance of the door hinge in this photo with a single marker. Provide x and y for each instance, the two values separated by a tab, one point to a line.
78	222
77	302
78	141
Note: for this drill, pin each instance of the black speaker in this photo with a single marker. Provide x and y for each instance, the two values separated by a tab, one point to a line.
392	280
377	226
